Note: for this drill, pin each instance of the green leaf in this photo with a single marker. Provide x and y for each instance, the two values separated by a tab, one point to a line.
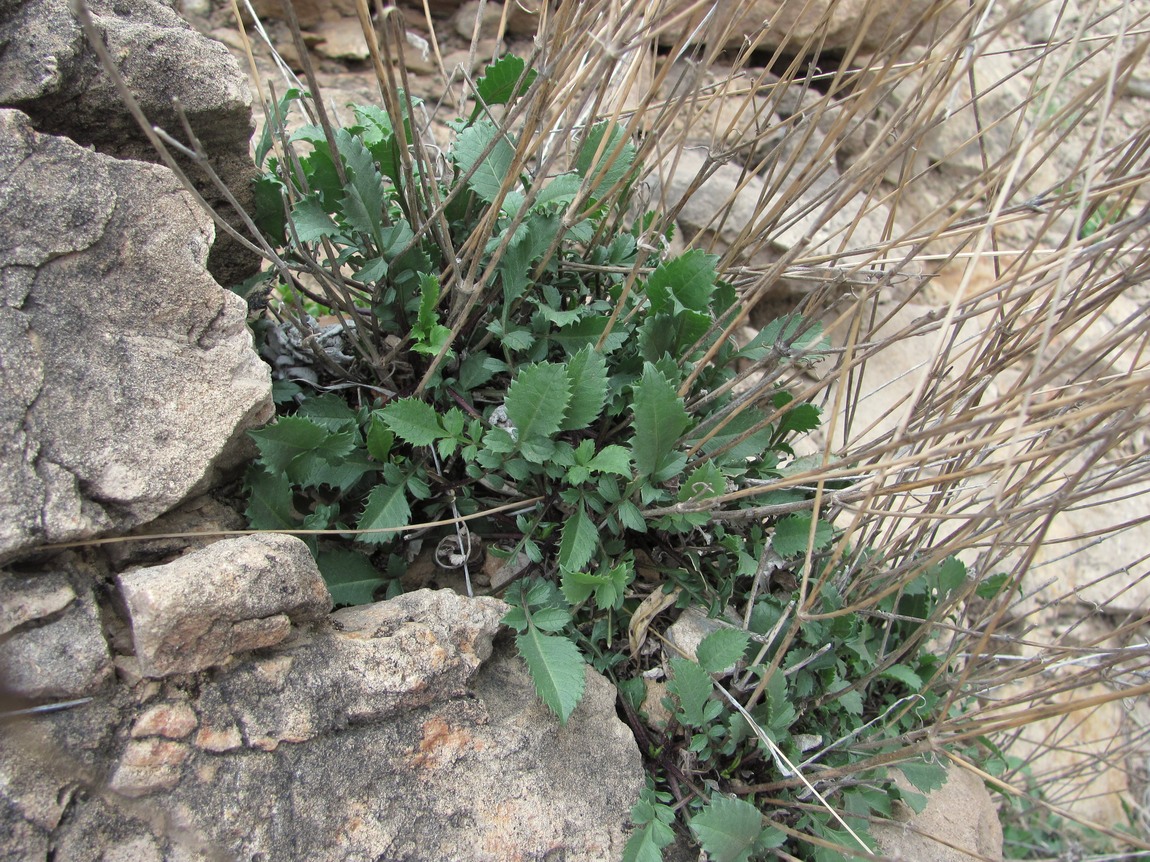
559	191
687	281
363	196
537	400
728	829
269	501
692	686
611	459
503	81
379	438
793	532
493	170
587	374
413	421
660	419
631	517
330	411
556	667
951	575
478	368
311	221
924	776
580	539
903	674
386	509
605	162
800	418
646	844
721	649
990	587
704	482
351	578
550	619
288	438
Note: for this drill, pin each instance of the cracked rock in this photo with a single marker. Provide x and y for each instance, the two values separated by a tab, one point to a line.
235	595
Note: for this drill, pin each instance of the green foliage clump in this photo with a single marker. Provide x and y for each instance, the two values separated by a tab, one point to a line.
532	366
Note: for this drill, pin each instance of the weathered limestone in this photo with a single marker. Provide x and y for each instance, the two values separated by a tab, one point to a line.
111	411
235	595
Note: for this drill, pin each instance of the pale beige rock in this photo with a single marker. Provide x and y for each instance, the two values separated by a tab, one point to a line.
959	824
170	720
149	765
23	600
342	40
236	595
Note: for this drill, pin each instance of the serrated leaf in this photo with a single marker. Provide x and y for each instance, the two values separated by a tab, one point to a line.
613	459
350	577
269	501
903	674
330	411
557	669
413	421
587	374
800	418
580	539
311	221
704	482
990	587
550	619
686	281
287	439
793	532
721	649
660	419
386	510
537	400
951	575
428	299
728	828
504	80
493	170
379	438
478	368
631	517
559	191
646	844
692	686
926	777
605	162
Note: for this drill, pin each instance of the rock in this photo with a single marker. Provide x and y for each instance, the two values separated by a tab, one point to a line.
342	40
416	737
833	25
169	720
48	71
959	823
127	376
24	600
66	657
375	661
235	595
309	13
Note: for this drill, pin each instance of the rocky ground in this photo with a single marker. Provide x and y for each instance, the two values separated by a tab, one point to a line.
239	718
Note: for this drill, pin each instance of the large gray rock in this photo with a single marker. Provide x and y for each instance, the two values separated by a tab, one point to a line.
235	595
48	71
127	375
400	730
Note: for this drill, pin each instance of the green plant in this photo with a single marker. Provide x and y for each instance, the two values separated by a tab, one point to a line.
588	410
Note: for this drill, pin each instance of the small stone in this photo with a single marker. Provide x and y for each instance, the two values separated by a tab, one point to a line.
342	40
23	600
148	766
233	596
688	631
219	740
170	720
